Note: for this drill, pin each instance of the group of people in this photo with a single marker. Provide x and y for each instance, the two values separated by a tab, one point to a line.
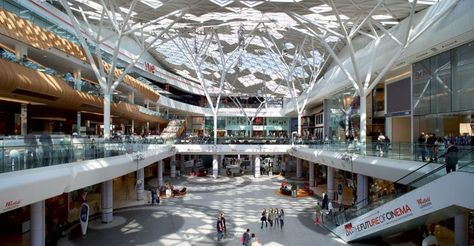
272	216
248	239
433	147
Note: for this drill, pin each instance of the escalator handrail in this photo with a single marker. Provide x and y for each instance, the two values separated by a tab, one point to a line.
419	178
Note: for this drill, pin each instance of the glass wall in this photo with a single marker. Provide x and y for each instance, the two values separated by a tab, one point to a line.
341	113
463	78
443	92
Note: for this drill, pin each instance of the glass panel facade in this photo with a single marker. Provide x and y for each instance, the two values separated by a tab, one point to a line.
444	83
421	87
463	78
441	83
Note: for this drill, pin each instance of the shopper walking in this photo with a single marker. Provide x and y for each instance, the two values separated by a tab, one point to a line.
264	218
270	216
246	240
223	223
219	228
451	157
282	218
318	218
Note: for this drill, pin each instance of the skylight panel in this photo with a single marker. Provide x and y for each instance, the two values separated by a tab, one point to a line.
425	2
96	6
276	88
284	1
388	23
222	3
152	3
249	80
321	9
251	4
289	45
382	17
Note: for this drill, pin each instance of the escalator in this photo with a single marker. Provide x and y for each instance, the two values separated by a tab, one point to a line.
427	198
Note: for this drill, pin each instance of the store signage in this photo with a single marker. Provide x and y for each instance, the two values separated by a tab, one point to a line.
84	218
12	205
258	128
151	68
424	203
378	219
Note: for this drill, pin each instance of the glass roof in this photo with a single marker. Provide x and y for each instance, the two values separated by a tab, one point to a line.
279	50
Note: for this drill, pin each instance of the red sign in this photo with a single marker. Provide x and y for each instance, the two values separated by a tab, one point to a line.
11	205
150	67
424	203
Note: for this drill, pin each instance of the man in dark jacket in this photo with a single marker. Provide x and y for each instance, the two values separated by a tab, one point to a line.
451	157
421	146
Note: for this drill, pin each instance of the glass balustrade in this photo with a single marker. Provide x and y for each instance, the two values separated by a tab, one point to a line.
417	178
15	156
397	150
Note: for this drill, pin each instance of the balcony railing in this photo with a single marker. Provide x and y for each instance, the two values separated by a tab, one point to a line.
15	155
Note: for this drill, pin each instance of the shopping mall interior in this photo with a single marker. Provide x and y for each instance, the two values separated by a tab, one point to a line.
232	122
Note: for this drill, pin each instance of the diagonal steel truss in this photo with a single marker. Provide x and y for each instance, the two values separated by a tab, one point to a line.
84	32
199	54
364	86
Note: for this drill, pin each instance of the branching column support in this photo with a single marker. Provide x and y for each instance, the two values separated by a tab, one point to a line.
362	87
199	55
107	81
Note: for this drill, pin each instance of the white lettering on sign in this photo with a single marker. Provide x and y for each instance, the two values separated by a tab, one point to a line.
389	216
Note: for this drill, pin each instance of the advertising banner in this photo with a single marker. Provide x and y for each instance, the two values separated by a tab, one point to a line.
84	218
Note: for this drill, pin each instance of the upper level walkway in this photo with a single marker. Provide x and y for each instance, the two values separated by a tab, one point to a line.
29	186
73	165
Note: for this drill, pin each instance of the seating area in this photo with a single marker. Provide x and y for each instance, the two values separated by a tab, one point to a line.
174	129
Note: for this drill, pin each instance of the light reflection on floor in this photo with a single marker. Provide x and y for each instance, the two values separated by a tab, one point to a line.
191	220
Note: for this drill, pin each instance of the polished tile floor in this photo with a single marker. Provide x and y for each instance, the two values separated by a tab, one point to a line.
191	220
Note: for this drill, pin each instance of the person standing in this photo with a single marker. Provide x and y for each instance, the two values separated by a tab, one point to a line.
317	210
277	217
223	223
325	201
155	198
282	218
451	157
219	228
246	238
421	146
264	218
430	240
31	145
47	145
270	216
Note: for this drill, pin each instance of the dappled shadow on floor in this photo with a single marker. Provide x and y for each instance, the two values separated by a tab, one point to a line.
142	226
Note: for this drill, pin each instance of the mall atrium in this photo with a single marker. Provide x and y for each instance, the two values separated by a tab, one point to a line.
232	122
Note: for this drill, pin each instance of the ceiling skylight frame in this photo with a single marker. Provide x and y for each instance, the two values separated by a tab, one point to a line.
154	4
